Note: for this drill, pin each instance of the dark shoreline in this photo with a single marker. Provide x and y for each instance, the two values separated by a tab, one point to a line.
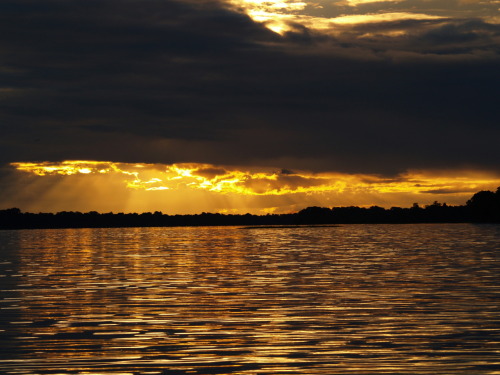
483	207
14	219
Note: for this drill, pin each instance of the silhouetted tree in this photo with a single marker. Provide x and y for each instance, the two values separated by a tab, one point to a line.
485	206
315	215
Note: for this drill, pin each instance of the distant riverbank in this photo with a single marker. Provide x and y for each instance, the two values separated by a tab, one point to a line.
483	206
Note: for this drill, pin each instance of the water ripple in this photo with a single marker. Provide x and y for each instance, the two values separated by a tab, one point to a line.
353	299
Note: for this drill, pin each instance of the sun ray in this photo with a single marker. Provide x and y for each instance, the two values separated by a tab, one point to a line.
238	184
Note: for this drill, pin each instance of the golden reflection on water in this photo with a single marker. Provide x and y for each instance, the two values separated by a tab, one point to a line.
362	299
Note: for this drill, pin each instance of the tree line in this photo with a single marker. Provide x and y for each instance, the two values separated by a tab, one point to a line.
483	206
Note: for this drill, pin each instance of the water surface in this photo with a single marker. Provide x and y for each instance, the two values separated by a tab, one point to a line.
352	299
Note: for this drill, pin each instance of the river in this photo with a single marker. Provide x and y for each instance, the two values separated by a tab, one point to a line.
347	299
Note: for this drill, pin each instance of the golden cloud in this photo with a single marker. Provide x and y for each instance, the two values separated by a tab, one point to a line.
355	3
282	16
241	181
381	17
190	188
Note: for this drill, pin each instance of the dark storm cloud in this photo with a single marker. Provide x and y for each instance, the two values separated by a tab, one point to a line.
185	81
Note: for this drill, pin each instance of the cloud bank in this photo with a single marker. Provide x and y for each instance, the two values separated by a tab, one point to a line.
192	188
351	87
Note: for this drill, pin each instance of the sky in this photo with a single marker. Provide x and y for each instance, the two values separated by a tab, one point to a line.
238	106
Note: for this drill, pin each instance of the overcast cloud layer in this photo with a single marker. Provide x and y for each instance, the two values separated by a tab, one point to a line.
162	81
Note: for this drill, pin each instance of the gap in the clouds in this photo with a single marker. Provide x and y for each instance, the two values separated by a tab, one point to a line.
190	188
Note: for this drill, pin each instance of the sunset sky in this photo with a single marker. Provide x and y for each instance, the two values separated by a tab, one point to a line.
247	105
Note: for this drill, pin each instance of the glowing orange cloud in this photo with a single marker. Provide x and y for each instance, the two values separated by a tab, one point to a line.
280	16
194	176
263	182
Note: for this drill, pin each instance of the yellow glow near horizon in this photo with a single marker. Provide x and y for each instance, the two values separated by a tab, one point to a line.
187	175
263	181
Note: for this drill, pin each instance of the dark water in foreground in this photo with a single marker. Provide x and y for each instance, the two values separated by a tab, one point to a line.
353	299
